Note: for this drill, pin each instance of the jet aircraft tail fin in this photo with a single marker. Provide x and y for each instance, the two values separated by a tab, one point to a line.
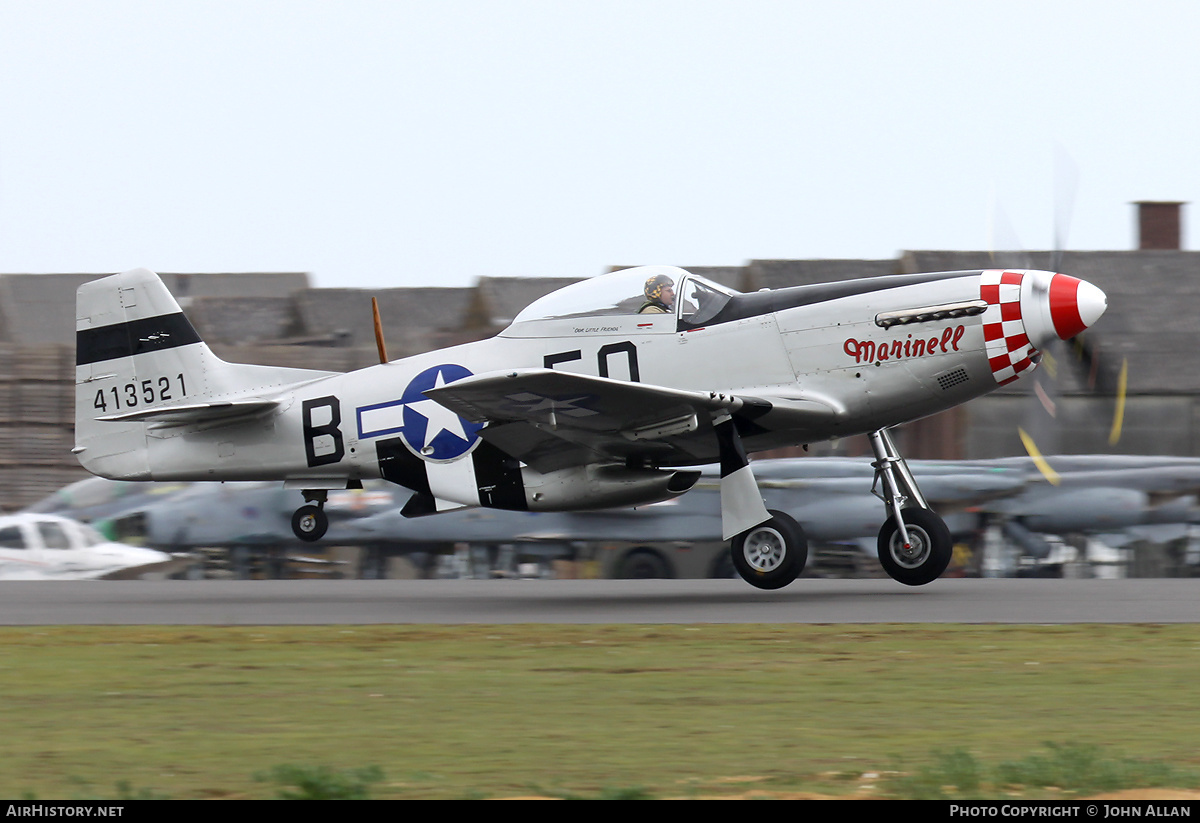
139	363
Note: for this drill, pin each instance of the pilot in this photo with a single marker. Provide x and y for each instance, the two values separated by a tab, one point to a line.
660	295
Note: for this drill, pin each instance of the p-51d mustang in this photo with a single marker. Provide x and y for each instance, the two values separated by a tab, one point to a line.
599	395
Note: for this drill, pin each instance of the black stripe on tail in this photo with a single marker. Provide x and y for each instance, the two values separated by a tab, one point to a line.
167	331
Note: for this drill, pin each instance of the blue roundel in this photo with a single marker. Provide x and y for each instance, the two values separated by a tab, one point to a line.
430	429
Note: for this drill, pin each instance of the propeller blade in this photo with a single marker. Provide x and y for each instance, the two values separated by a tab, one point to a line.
1038	460
1119	413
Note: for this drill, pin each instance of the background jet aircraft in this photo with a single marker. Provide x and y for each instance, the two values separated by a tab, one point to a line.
679	537
1122	498
828	496
107	503
1096	494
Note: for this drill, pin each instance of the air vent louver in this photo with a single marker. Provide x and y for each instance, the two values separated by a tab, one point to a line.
953	378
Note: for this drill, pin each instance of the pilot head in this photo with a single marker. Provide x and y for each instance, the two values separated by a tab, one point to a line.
661	289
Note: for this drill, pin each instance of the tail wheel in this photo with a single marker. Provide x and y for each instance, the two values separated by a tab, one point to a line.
925	557
309	523
772	554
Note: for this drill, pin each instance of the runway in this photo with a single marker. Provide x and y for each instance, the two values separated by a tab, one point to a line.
361	602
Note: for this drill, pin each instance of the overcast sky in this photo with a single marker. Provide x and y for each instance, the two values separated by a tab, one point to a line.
430	143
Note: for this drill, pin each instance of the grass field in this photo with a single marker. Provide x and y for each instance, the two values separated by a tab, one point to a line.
589	711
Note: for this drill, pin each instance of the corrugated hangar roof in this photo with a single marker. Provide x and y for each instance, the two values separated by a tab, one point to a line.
37	309
412	319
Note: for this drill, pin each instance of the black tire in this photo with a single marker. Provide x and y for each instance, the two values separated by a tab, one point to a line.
643	564
929	554
772	554
309	523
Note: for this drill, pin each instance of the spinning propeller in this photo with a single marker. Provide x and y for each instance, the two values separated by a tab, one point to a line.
1081	354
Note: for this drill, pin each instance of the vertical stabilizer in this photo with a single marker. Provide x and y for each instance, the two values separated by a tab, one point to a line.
138	360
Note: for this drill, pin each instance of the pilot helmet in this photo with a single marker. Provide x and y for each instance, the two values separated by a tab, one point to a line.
656	284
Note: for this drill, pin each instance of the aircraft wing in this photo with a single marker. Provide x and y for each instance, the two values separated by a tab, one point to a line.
552	419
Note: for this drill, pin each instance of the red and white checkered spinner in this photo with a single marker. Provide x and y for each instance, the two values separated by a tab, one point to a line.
1029	309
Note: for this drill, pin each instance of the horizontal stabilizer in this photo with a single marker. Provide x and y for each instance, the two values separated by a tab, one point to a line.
193	412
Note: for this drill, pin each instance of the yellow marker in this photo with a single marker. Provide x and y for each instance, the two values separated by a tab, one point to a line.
1119	412
1039	461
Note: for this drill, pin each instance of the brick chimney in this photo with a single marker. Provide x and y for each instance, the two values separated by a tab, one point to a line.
1159	224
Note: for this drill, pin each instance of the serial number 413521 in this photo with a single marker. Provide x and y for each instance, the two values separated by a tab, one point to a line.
142	392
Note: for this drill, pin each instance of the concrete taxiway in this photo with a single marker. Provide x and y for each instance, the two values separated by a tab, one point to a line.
332	602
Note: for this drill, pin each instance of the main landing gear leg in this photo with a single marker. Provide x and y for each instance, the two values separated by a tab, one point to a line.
768	548
914	544
309	523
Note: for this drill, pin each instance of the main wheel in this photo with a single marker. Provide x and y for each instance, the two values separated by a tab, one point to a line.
928	553
309	523
772	554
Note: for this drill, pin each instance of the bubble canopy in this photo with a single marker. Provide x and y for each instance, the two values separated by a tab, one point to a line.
623	293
